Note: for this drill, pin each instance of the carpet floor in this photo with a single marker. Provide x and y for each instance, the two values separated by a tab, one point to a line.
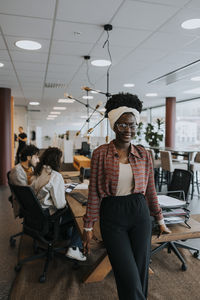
64	283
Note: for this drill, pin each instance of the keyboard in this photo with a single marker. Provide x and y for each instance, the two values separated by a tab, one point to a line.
79	197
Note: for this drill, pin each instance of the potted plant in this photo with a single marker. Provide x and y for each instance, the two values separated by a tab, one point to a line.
154	135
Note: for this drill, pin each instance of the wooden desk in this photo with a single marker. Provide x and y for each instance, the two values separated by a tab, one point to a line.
102	266
81	161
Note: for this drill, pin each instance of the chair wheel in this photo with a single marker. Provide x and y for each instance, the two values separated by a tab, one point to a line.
42	279
18	268
184	267
12	242
196	254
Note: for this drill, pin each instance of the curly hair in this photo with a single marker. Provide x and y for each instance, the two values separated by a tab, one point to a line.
123	99
50	157
28	150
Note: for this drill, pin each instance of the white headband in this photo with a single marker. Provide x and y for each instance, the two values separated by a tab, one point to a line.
115	114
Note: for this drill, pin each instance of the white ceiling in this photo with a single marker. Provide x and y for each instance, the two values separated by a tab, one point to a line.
146	42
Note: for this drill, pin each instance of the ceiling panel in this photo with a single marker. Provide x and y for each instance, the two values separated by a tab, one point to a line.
60	61
29	66
31	57
4	56
87	11
2	44
24	26
36	8
125	37
167	41
77	32
178	3
70	48
143	15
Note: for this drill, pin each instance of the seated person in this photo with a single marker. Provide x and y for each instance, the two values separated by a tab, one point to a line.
48	185
21	174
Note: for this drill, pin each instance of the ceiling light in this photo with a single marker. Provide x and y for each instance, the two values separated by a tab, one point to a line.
52	116
55	112
197	78
129	85
66	100
84	117
1	65
34	103
191	24
28	45
101	63
49	118
87	97
151	94
59	108
193	91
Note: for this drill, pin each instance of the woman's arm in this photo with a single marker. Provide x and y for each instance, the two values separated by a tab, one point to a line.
92	212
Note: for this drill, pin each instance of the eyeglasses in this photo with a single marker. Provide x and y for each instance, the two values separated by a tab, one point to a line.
123	126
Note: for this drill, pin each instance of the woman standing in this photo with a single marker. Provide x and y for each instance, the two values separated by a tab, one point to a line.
122	192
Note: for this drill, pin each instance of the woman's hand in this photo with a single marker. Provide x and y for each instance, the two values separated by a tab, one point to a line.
164	229
87	237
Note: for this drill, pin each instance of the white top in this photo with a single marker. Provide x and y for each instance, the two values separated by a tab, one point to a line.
126	180
49	188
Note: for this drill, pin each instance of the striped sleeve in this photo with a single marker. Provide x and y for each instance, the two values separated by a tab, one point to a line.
151	194
92	212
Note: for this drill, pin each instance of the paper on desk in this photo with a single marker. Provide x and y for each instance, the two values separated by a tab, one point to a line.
166	201
82	186
173	220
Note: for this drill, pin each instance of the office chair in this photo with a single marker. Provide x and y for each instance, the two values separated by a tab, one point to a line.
84	173
179	188
40	226
85	149
10	199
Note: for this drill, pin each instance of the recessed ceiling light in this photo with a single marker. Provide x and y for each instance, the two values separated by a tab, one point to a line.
193	91
59	108
84	117
197	78
129	85
34	103
101	63
52	116
55	112
28	45
87	97
66	100
191	24
151	94
1	65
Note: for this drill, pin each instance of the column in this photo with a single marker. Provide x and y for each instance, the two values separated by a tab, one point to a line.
170	121
5	130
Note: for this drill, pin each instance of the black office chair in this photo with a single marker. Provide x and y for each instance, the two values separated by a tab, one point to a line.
40	226
10	199
179	188
84	173
85	149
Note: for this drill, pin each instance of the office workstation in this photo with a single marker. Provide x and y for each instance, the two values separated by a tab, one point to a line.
60	63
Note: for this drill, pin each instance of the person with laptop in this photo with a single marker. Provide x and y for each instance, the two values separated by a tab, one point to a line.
122	192
48	185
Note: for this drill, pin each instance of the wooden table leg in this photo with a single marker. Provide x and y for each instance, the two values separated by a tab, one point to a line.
99	271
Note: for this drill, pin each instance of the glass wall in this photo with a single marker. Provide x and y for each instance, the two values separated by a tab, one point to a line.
188	123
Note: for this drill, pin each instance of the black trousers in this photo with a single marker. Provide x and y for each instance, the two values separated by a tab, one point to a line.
126	232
